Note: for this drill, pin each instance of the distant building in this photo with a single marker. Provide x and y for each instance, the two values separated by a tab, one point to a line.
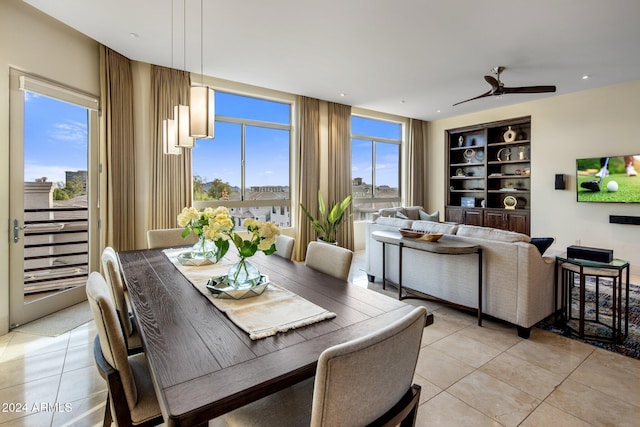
79	175
269	189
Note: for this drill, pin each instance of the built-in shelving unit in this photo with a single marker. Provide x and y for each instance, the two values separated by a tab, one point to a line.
488	171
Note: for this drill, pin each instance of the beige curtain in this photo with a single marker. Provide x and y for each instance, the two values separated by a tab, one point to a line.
170	174
340	185
116	87
309	172
417	173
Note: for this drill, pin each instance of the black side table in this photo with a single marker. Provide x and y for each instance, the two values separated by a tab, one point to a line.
568	269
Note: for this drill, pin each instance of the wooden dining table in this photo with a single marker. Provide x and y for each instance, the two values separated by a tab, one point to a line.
204	366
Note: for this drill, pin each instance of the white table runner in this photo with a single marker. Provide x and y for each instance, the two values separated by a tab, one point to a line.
275	310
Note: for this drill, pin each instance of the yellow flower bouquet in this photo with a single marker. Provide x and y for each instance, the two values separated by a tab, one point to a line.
210	225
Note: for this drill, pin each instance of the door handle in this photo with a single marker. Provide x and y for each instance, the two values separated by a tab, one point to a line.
16	231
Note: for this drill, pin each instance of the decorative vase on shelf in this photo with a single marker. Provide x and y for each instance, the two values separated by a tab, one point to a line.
204	248
509	135
243	274
460	141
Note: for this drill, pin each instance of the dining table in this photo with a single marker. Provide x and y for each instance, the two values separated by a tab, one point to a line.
203	365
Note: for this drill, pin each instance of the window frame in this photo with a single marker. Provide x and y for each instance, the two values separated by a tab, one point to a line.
243	123
374	140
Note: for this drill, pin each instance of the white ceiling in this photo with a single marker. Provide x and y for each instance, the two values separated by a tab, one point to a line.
405	57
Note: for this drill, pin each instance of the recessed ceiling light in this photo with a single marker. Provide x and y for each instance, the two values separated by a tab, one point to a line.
134	35
402	101
585	77
343	94
437	111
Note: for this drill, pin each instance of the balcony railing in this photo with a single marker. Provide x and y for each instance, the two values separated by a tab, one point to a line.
56	248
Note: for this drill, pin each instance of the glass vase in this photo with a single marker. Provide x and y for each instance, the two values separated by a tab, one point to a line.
203	248
243	275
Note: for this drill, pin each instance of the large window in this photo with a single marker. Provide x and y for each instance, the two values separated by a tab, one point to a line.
375	165
246	166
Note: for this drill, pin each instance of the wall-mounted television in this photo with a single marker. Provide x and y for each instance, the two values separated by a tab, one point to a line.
614	179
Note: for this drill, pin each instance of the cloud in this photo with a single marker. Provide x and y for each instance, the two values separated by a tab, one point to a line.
69	131
28	96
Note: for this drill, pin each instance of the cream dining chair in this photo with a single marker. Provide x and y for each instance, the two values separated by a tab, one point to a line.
365	381
169	238
114	280
329	259
131	398
284	246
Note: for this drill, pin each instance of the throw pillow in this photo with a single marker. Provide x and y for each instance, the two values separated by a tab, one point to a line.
401	215
542	243
435	217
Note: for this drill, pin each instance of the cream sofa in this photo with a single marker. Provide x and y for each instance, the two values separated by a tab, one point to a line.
518	281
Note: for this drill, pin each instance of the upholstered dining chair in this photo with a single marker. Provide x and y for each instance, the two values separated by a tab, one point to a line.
329	259
284	246
131	398
169	238
111	268
365	381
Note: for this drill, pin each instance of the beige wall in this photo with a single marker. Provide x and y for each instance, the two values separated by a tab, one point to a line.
35	43
590	123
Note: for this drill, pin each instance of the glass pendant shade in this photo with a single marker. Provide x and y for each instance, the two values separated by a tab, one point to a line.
202	111
181	116
169	137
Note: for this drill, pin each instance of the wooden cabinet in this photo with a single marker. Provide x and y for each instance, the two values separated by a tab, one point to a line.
511	220
469	216
488	167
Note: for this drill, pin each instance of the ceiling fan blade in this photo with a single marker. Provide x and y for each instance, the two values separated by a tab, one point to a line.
495	84
529	89
488	93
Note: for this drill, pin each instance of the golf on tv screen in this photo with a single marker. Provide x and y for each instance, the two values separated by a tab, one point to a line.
609	179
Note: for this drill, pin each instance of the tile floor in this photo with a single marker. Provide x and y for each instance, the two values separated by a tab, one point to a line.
470	376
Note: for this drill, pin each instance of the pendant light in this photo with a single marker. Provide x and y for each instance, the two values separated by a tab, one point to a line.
181	117
169	130
181	112
169	137
202	98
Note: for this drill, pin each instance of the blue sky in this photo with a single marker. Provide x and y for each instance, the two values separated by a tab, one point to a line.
56	141
55	138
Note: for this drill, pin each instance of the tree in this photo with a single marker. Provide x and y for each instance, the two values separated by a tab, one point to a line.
70	190
199	192
218	189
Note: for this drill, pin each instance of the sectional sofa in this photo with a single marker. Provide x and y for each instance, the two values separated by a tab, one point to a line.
518	281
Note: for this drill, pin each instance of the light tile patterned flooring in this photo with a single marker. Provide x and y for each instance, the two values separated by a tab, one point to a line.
470	376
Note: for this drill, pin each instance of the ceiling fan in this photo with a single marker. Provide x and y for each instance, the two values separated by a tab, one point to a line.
498	88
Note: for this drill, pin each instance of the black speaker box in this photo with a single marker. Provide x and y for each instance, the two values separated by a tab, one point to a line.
590	254
560	185
624	219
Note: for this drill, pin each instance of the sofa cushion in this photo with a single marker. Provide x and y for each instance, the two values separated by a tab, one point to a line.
488	233
429	217
386	212
435	227
542	243
401	215
413	212
394	222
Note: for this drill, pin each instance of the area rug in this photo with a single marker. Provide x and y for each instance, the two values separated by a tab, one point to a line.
59	322
630	346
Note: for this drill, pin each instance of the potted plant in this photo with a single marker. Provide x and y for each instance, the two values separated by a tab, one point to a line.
328	222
